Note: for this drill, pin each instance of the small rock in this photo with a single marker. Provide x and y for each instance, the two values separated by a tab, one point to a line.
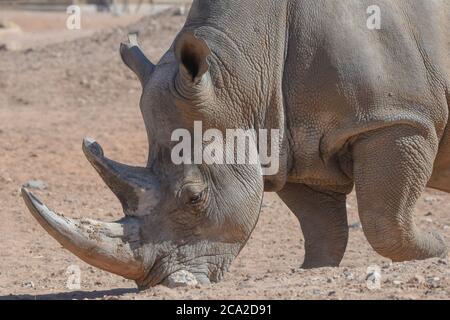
180	11
35	184
443	261
297	270
428	214
433	282
10	46
435	285
86	83
331	293
5	179
28	284
181	279
348	275
4	24
418	279
373	279
430	199
397	282
316	291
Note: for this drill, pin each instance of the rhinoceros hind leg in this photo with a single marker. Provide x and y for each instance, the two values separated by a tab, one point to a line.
391	169
323	219
440	179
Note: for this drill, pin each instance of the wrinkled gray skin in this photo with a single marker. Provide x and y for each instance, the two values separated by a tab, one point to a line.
355	107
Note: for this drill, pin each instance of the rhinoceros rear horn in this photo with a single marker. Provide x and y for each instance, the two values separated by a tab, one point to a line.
113	247
135	59
192	54
129	184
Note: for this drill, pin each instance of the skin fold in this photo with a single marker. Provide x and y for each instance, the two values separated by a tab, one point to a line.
355	108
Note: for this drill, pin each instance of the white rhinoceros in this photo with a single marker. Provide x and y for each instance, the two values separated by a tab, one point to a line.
354	106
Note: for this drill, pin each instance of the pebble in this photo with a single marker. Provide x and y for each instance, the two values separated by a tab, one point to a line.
430	199
181	278
35	184
433	282
28	284
5	179
418	279
443	261
373	278
348	275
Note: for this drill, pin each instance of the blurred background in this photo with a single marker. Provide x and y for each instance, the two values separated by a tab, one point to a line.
27	23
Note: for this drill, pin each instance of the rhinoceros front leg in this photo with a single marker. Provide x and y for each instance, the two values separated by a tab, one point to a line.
323	219
391	169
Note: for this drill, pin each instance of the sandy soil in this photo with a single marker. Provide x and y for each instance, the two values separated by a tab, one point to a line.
37	29
54	94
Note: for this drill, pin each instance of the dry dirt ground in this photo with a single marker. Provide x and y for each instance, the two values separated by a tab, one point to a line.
53	93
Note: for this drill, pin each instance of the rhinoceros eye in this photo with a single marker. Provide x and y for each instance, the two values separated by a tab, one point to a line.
196	198
193	194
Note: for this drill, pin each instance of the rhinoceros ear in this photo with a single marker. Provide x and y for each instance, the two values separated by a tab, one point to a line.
135	59
192	54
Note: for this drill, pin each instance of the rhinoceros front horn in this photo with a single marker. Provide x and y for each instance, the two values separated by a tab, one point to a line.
113	247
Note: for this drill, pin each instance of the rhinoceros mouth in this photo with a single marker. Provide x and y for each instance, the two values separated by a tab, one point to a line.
174	269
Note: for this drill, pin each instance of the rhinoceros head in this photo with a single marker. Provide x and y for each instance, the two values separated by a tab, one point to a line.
178	217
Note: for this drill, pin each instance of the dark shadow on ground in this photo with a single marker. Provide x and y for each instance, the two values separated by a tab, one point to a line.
78	295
